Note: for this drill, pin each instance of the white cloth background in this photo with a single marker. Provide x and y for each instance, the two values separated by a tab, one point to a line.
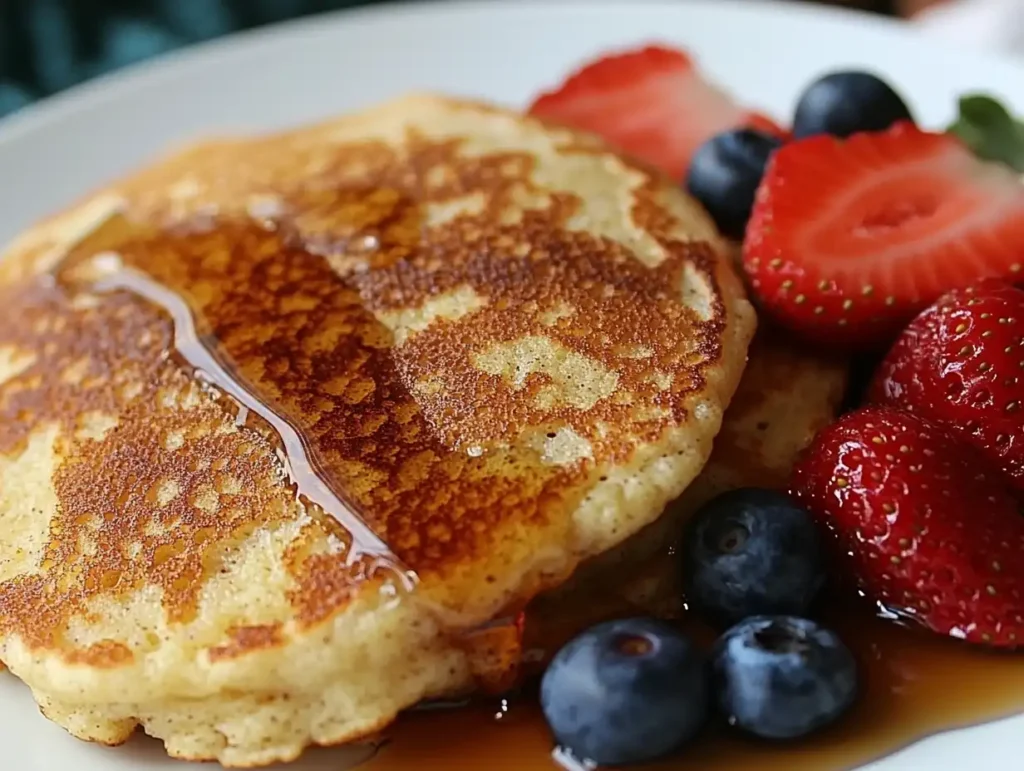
993	25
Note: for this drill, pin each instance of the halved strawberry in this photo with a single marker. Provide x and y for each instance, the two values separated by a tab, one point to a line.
850	239
651	103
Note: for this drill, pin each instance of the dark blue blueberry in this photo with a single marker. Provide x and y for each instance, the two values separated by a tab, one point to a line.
780	677
751	552
626	692
12	97
844	103
724	175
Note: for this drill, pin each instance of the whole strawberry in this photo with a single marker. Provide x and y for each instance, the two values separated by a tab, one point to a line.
961	364
850	239
925	526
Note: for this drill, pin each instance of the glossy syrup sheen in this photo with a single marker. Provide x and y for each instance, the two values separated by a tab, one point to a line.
200	356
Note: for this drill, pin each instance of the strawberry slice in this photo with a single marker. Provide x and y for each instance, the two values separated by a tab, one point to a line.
924	525
849	240
961	364
652	103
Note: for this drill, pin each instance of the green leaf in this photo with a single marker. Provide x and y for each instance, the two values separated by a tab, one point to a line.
990	130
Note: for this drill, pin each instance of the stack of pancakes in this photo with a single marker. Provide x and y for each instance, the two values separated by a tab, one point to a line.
303	430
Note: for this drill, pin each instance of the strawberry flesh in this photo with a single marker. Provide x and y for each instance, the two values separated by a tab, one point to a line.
961	364
651	103
923	524
850	239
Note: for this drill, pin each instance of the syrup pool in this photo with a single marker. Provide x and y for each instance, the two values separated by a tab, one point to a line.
914	685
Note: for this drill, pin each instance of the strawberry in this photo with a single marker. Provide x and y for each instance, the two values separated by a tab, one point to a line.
923	524
650	102
961	364
850	239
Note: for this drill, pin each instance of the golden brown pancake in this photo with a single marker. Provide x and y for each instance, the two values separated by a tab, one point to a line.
285	421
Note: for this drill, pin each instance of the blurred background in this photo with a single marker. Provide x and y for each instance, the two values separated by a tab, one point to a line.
49	45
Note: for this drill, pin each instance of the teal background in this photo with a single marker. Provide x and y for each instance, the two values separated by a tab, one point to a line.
49	45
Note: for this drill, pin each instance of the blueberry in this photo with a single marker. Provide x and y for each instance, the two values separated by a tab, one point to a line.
844	103
724	175
625	692
751	552
780	677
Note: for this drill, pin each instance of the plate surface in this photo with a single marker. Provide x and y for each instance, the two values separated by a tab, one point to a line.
765	53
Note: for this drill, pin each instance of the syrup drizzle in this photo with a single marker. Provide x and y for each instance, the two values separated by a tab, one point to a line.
201	355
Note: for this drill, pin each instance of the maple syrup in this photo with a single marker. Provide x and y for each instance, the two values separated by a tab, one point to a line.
91	268
914	685
201	357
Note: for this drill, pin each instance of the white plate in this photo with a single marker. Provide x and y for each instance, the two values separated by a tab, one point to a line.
765	53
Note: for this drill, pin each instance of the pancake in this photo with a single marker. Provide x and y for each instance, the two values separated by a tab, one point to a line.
289	423
786	396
